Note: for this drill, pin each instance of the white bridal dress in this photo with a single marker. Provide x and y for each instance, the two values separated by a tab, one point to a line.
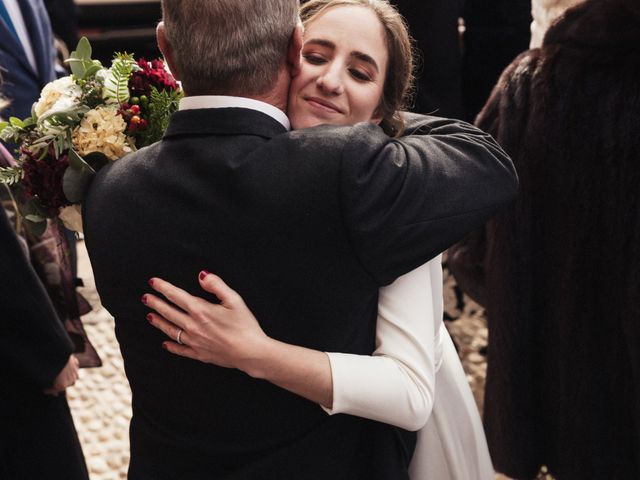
415	380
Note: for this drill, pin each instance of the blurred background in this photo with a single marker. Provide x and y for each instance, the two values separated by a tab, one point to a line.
110	25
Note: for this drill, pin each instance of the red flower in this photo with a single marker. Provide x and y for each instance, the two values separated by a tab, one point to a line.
43	178
152	74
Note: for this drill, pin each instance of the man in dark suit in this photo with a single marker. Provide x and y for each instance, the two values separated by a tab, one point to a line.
37	439
27	54
307	225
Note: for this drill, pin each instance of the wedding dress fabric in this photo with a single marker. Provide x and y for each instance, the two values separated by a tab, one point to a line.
415	380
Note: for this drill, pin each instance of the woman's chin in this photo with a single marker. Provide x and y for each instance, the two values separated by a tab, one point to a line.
298	123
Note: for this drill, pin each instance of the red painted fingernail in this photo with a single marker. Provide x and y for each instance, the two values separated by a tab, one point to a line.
150	318
144	299
203	274
151	281
164	345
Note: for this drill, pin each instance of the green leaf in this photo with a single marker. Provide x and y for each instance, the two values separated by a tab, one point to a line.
83	49
92	70
35	218
16	122
11	175
70	116
80	60
76	162
96	160
117	82
3	125
75	183
36	229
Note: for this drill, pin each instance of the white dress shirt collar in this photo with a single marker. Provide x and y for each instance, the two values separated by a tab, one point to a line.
13	8
225	101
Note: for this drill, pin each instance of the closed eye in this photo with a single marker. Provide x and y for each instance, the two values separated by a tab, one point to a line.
314	59
359	75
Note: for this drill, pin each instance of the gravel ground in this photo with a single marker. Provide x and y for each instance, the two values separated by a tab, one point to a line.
101	400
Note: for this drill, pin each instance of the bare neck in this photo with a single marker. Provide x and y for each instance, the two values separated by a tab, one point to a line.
277	95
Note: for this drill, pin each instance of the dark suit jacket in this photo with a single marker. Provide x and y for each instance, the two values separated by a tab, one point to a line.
37	439
21	84
307	226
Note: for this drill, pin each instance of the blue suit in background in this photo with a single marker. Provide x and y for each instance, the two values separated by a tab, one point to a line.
21	84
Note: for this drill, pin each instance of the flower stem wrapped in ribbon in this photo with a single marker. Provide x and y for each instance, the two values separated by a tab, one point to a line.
80	123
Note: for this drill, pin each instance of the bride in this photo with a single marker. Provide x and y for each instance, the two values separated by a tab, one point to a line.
356	66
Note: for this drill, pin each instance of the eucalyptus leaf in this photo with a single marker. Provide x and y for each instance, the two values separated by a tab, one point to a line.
92	70
35	218
16	122
83	49
96	160
68	117
76	162
35	229
34	206
75	183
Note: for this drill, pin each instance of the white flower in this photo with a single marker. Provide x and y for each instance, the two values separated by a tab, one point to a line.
61	94
102	130
71	216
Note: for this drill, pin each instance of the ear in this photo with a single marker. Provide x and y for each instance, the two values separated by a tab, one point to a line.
293	54
167	51
377	116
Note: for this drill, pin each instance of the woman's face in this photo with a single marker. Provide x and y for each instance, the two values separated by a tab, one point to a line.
344	64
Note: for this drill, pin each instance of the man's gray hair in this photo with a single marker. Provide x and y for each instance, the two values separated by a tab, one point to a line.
229	46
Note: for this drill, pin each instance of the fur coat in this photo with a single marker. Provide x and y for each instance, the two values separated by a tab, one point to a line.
559	271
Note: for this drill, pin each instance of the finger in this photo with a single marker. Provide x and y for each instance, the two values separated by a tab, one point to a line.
180	350
214	284
164	309
166	327
175	295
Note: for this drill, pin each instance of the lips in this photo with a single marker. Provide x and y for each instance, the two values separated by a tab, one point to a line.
323	105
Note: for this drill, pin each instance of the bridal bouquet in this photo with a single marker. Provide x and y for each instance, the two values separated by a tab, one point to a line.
80	123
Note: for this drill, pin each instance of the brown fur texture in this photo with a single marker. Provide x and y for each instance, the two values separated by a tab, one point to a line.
561	267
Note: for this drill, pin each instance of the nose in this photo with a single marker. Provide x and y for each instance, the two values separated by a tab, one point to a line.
330	81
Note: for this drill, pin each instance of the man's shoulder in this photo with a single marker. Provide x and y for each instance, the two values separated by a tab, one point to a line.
124	173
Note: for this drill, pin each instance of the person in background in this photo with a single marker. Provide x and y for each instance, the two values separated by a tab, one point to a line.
27	54
558	272
38	438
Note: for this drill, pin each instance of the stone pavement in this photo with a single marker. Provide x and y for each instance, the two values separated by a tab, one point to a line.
101	399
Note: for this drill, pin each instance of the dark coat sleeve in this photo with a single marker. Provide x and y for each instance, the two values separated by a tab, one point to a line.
415	196
33	342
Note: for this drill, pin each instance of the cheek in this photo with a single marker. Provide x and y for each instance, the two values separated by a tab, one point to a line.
365	102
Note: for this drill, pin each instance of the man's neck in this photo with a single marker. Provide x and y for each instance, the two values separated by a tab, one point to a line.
276	96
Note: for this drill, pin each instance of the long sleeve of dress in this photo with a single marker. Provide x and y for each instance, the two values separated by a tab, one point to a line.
396	385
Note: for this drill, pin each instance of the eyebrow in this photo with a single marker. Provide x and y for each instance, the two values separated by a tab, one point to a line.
359	55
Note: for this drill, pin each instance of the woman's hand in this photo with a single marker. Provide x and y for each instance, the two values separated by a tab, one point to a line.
227	335
66	378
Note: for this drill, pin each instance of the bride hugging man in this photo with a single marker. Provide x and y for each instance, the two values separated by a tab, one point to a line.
290	172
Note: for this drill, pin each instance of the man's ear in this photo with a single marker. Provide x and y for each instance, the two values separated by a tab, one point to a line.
293	54
167	51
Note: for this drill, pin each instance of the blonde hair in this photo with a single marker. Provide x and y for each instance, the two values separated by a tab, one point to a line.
399	78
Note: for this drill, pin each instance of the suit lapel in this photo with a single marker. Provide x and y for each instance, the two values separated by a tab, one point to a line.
38	36
10	44
223	121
